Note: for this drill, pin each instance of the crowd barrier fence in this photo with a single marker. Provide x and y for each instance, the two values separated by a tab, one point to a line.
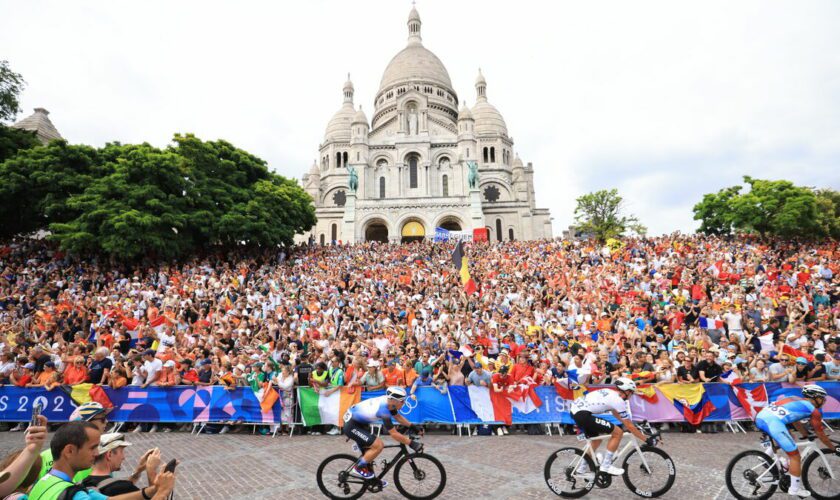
459	405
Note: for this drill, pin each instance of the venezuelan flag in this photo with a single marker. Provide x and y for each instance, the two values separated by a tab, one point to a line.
689	399
461	263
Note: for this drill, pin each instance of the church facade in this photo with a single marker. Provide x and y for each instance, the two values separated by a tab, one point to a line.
424	160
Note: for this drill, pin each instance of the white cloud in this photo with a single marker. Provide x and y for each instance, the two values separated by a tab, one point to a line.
663	100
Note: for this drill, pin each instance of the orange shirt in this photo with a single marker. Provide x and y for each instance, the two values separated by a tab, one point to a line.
75	374
394	376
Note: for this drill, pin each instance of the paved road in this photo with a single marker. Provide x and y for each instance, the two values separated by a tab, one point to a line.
247	466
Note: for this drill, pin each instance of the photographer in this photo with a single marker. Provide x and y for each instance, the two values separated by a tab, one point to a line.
23	465
110	459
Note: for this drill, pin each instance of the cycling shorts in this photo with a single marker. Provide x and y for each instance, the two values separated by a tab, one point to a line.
591	425
360	433
777	430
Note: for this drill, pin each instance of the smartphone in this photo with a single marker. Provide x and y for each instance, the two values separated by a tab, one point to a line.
36	412
170	467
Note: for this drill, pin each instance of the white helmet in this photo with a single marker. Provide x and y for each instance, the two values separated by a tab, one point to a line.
813	391
625	384
395	392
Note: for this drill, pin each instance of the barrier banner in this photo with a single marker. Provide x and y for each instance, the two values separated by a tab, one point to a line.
460	404
16	404
189	404
184	404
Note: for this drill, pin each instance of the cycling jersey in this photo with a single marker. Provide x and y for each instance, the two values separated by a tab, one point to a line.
602	401
773	419
370	411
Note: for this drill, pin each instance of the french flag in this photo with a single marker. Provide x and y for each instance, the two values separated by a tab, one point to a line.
712	323
730	377
471	403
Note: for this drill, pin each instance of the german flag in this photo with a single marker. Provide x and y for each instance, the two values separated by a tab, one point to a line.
461	263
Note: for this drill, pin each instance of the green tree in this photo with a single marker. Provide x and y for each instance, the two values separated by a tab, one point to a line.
11	85
828	219
134	211
770	208
36	183
13	140
601	214
715	211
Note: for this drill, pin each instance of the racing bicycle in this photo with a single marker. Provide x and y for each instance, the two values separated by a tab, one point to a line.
572	472
417	475
755	475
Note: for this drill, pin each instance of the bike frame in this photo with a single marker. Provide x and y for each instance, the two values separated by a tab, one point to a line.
805	448
632	444
403	453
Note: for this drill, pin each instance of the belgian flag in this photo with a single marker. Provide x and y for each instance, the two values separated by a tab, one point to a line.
461	263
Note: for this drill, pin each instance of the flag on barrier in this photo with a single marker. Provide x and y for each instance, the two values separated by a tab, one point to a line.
689	399
319	409
752	400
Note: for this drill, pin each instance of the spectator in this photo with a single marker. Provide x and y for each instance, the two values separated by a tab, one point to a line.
151	369
110	458
76	372
23	465
100	367
94	414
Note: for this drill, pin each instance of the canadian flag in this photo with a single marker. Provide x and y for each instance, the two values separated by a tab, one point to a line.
523	396
752	400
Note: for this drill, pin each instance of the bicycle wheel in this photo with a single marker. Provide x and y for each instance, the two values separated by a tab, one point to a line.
335	480
569	473
419	476
751	475
816	475
652	480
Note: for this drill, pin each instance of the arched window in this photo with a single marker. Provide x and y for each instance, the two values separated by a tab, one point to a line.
510	234
334	233
412	172
382	188
485	155
357	155
338	160
322	239
499	229
445	185
344	159
492	155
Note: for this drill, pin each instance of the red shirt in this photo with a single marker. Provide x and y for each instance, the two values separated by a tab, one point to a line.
520	371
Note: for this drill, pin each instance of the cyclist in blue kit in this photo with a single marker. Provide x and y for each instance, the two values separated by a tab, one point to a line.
774	418
357	422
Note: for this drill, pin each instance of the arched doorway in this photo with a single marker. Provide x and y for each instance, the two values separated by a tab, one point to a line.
376	231
413	231
450	224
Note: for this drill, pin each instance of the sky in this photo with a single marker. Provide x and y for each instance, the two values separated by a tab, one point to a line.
663	100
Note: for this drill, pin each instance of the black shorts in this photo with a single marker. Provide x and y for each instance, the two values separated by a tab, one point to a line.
591	425
360	433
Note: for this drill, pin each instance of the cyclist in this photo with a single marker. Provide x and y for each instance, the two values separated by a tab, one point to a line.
773	420
357	422
584	411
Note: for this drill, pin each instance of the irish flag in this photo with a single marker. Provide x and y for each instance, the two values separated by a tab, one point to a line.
318	409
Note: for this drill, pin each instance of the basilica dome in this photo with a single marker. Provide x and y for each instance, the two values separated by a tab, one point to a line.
338	129
415	62
488	120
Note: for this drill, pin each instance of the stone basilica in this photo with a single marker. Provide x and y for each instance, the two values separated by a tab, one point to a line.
421	162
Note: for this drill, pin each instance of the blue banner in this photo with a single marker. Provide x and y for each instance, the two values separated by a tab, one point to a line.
16	404
186	404
441	234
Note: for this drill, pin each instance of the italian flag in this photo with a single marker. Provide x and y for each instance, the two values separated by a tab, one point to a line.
318	409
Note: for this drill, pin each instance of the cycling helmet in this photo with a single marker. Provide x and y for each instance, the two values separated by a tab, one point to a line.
813	391
625	384
87	412
397	393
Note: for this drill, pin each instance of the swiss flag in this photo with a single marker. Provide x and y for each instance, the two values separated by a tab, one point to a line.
752	400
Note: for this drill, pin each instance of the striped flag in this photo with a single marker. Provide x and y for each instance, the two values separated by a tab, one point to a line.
461	263
317	409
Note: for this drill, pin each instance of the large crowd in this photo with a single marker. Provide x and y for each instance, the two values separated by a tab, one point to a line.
680	308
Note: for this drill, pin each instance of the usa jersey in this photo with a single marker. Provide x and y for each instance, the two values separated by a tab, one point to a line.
790	410
602	401
371	410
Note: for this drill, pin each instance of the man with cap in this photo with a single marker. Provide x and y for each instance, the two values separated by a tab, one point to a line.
92	412
110	459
